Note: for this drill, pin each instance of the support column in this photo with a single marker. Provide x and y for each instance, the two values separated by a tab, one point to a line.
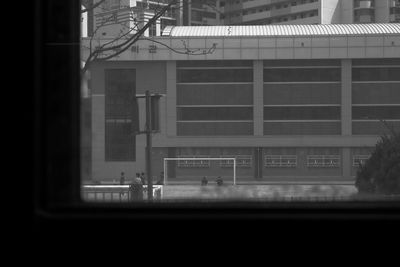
346	162
346	114
171	98
346	94
258	97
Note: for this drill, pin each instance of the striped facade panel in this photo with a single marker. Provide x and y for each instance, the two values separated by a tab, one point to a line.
214	113
214	98
302	113
214	128
280	94
376	93
301	62
374	127
214	63
215	75
311	74
376	112
215	94
302	128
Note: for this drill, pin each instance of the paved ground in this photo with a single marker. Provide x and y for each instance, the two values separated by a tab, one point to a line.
283	192
255	192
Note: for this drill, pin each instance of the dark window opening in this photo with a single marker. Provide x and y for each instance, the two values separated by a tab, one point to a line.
120	114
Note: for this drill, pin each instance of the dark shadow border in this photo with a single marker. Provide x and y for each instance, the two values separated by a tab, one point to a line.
56	151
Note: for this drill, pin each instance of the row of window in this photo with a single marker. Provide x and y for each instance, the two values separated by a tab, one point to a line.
284	128
376	74
242	161
363	3
273	6
302	113
214	75
214	94
287	63
302	75
214	113
271	161
326	74
278	19
199	15
287	113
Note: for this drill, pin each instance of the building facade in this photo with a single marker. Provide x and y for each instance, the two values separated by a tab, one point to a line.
301	103
262	12
202	13
117	17
112	16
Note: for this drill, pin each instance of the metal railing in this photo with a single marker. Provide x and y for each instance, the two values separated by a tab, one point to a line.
116	193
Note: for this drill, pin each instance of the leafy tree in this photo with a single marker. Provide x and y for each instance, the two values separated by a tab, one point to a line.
381	172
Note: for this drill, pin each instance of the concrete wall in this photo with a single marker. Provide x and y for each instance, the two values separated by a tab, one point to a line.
382	11
346	11
254	48
330	11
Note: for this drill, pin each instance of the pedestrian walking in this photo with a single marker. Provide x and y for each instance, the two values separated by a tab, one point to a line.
204	181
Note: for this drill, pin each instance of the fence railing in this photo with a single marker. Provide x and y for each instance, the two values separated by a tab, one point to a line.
116	193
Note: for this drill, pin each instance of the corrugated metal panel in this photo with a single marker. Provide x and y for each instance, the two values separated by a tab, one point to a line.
167	31
283	30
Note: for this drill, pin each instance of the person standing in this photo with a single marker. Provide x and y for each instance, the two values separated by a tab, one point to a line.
136	188
142	177
122	182
122	179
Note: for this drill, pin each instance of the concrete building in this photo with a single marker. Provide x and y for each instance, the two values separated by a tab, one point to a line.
261	12
202	13
116	17
302	103
112	16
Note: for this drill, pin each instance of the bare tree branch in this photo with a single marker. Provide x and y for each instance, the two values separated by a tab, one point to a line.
187	51
124	40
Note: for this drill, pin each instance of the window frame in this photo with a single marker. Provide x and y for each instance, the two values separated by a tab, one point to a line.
57	200
280	159
326	161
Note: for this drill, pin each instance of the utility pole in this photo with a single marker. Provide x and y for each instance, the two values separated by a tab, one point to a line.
148	147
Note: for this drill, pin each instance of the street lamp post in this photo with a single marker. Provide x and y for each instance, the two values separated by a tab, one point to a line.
148	131
148	147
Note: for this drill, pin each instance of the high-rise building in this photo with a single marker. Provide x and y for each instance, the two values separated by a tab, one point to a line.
379	11
113	17
116	17
202	12
260	12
